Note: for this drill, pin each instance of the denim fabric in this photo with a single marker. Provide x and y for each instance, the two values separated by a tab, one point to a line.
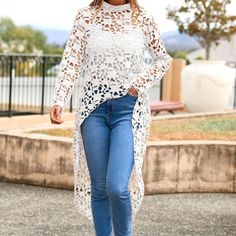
109	149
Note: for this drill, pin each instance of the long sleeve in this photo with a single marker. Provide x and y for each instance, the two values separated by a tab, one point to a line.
161	60
71	62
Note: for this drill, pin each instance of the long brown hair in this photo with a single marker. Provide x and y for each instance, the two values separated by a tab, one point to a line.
136	9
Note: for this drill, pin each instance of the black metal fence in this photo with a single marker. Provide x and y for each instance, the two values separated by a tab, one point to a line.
26	83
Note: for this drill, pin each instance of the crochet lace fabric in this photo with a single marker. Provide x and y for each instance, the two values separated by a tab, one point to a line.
104	56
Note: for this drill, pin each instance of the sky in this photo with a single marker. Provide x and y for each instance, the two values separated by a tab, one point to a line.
59	14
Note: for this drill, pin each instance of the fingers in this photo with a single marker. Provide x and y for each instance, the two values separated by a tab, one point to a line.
133	91
55	115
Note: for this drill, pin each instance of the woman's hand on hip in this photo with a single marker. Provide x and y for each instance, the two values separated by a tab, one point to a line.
55	115
133	91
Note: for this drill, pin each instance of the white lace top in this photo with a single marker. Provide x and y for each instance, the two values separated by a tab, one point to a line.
104	56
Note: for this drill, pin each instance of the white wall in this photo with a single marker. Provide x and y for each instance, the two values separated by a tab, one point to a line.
226	51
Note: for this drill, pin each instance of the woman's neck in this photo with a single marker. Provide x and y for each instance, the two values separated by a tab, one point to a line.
116	2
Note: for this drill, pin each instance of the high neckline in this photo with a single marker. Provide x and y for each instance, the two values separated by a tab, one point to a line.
111	7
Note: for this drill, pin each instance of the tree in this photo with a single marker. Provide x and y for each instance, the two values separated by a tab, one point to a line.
205	19
20	39
53	48
24	39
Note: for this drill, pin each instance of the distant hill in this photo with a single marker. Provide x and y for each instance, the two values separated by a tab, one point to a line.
55	35
173	40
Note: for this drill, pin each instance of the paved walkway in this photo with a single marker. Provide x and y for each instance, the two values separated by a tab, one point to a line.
33	121
31	210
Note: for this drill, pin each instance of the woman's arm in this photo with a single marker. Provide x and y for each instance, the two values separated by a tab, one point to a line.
71	63
161	60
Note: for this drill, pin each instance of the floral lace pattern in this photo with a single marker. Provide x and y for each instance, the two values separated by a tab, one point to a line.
105	57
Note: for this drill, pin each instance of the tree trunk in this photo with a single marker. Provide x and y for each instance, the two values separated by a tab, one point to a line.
208	47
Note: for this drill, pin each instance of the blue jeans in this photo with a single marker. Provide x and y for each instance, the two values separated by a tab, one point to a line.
108	144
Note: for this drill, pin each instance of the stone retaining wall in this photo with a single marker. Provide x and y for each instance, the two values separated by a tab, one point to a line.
190	166
173	166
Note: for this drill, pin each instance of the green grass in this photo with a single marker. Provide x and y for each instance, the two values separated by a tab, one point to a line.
205	128
55	132
218	127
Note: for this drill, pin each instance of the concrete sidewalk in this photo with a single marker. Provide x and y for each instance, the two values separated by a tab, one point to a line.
32	210
17	124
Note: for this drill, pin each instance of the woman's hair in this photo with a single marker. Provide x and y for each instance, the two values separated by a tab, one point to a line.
133	3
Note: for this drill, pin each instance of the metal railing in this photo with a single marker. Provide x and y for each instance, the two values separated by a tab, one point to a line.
26	83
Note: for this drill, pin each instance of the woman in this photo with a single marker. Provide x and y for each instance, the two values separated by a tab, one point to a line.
105	55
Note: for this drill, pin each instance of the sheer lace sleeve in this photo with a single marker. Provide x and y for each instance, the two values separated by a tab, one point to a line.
161	60
71	63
